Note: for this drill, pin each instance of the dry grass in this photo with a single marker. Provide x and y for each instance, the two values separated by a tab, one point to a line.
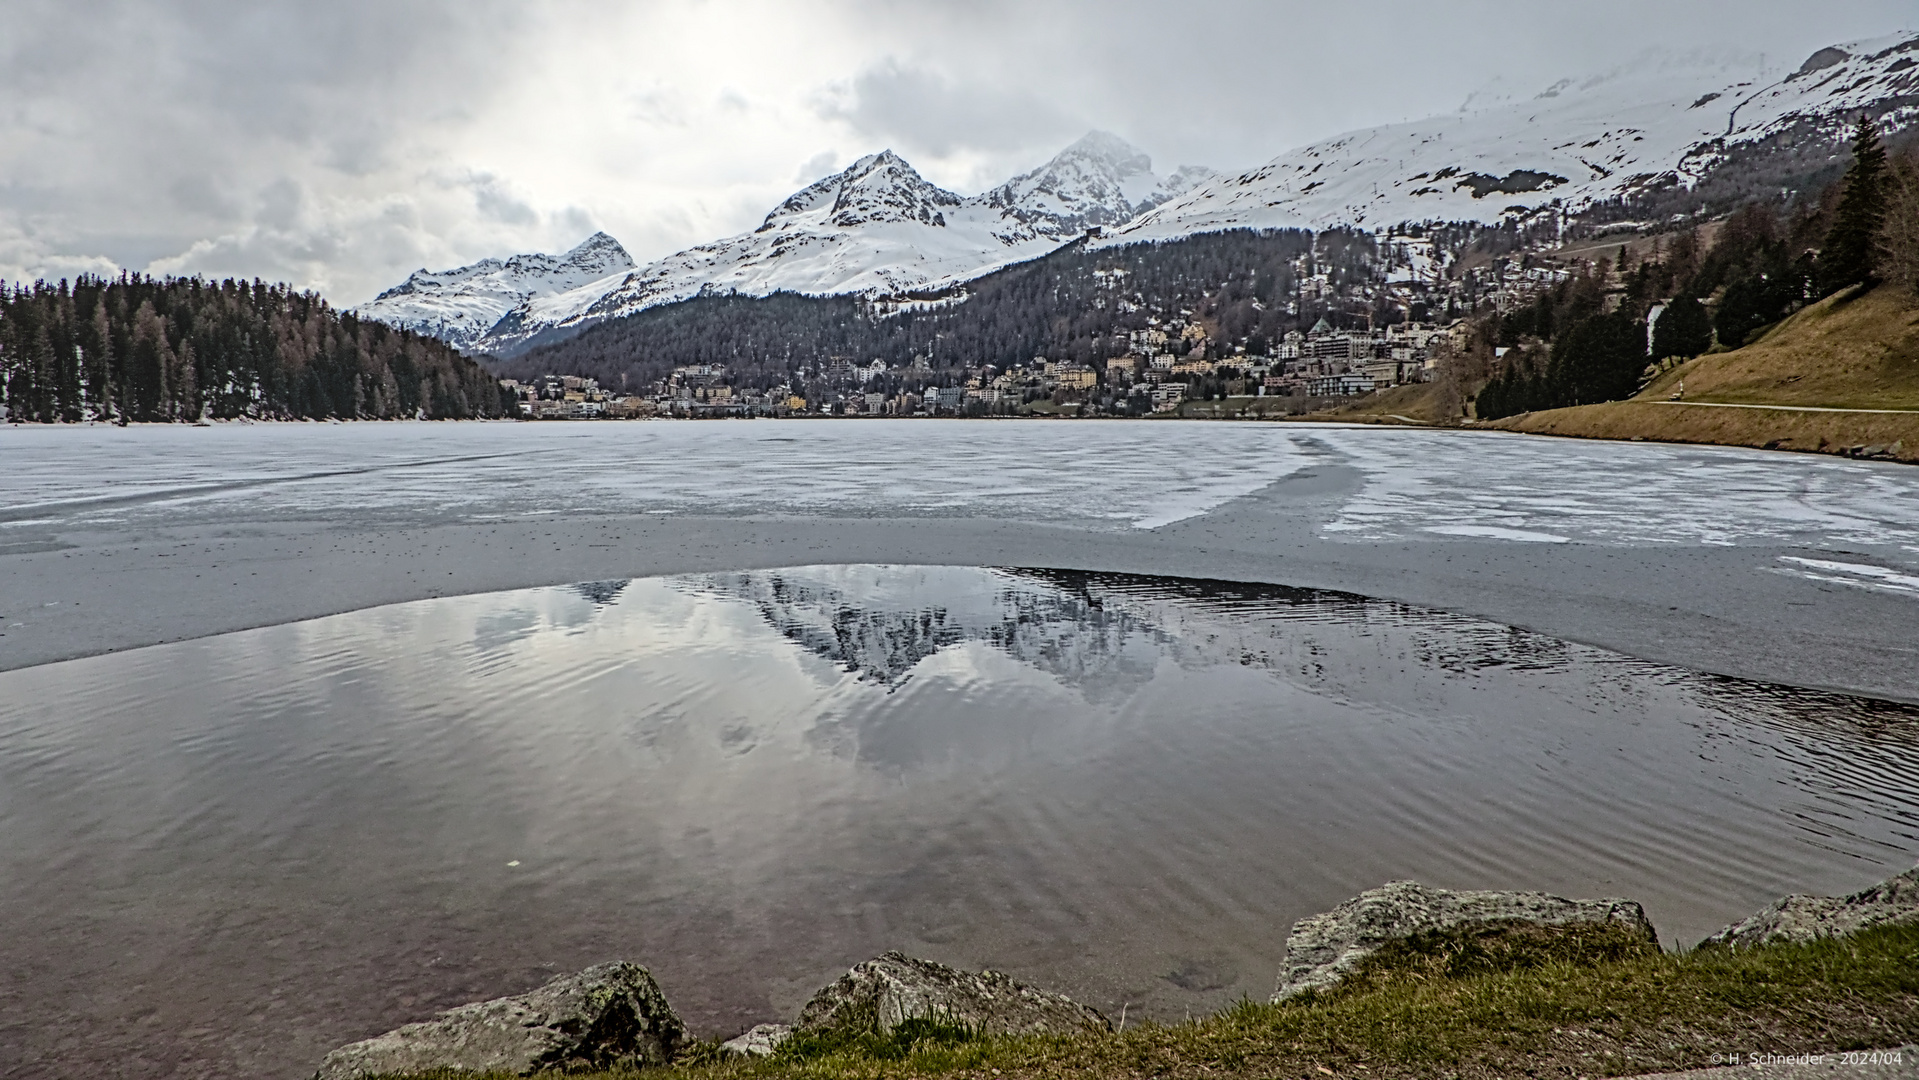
1419	402
1849	352
1811	432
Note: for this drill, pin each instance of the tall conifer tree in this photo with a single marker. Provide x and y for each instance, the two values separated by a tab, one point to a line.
1683	329
1849	254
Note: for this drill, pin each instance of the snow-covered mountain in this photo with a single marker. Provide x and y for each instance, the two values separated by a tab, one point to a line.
879	228
460	306
876	228
1666	120
1100	181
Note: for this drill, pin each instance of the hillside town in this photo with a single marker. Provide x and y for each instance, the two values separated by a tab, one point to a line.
1382	309
1166	366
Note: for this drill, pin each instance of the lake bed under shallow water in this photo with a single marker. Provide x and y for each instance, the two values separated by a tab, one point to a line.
227	855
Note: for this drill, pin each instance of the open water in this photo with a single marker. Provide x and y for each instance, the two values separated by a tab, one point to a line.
224	856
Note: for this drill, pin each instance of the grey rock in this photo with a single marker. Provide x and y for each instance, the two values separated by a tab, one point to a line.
1323	948
1806	918
880	994
610	1015
760	1041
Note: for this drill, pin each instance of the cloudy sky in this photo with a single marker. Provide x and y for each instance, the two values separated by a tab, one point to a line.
342	145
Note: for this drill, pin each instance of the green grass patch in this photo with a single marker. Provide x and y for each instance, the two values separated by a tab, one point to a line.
916	1035
1495	1001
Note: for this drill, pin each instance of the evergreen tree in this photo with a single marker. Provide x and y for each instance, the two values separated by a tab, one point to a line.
1759	299
1491	404
1683	329
1596	359
1850	251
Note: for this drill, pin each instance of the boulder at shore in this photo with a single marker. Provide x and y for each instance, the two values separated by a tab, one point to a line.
879	995
760	1041
1806	918
1323	948
610	1015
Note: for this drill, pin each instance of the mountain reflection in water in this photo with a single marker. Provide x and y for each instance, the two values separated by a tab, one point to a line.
225	856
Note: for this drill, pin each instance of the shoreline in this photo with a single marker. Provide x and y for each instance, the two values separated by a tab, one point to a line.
1596	423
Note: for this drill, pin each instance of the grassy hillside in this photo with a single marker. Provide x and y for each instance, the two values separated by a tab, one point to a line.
1849	351
1846	351
1419	402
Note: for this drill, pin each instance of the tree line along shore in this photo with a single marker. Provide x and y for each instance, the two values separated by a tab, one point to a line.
182	350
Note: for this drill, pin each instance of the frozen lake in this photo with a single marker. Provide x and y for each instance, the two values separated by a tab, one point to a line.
1115	475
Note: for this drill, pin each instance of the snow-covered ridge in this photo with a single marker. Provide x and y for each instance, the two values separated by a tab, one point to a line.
1666	120
875	228
880	229
460	306
1099	181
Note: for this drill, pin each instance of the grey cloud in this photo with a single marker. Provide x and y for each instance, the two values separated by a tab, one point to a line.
280	203
660	106
819	165
919	109
142	131
500	204
576	221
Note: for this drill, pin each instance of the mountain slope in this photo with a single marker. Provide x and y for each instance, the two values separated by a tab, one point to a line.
460	306
1670	121
877	227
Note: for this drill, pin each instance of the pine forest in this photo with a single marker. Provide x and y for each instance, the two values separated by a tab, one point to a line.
141	349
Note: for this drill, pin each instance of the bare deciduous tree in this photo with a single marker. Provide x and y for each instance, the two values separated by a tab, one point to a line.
1899	231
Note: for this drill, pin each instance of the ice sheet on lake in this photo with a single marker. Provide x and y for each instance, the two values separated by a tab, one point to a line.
1419	485
1858	575
1142	475
1530	488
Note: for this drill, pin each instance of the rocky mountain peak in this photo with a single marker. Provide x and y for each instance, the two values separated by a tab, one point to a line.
1116	154
1100	180
599	252
877	188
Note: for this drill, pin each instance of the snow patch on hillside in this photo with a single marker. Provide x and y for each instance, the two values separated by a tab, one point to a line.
1665	119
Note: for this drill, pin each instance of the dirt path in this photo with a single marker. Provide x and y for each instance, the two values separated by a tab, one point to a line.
1787	408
